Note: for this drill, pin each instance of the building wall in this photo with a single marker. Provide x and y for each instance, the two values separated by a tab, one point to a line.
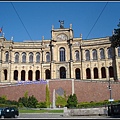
70	44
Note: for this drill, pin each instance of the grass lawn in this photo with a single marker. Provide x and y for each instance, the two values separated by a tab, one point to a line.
39	111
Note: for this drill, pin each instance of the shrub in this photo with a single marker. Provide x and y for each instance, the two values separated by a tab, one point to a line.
72	101
41	105
61	101
32	102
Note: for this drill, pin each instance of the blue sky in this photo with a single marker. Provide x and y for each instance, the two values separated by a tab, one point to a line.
38	18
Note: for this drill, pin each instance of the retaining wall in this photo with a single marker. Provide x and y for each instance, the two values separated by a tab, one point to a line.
86	91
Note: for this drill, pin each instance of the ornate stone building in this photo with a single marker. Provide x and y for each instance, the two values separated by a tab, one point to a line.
61	57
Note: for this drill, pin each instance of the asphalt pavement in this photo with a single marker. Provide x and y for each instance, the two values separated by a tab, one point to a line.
60	116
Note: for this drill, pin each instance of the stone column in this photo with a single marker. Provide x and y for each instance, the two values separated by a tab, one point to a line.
52	62
71	61
26	75
51	49
71	70
81	59
9	69
34	75
19	75
54	106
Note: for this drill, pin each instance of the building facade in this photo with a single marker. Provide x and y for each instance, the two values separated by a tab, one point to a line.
61	57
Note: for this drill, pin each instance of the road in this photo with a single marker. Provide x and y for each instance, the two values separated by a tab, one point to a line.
58	116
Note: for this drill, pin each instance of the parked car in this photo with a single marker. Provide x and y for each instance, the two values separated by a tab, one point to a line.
114	109
9	112
1	112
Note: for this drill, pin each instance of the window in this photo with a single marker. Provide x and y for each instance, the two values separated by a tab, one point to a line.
87	53
62	72
15	75
109	52
48	75
16	57
37	57
94	53
7	56
77	73
95	73
5	74
30	75
111	72
47	57
102	54
37	75
62	54
103	72
77	58
88	73
31	57
23	75
23	57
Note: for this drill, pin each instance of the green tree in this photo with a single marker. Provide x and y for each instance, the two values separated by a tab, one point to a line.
72	101
41	105
32	102
24	100
47	96
115	39
61	100
3	99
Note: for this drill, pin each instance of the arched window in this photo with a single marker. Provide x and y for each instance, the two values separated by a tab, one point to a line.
87	53
109	52
111	72
88	73
30	75
118	51
5	74
103	72
95	73
7	56
77	73
62	54
15	75
37	57
77	58
24	57
16	57
102	54
62	72
23	75
37	75
94	53
47	57
31	57
48	75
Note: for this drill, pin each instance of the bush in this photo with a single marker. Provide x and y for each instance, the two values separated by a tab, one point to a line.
30	101
60	101
41	105
24	101
72	101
